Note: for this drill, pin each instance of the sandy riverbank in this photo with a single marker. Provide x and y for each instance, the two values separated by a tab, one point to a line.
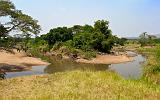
19	59
107	59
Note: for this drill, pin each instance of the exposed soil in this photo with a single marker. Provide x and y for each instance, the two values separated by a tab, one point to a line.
107	59
18	61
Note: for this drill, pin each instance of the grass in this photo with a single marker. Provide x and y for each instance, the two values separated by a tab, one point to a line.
152	68
77	85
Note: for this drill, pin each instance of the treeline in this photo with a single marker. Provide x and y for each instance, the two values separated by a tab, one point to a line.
148	40
98	37
86	38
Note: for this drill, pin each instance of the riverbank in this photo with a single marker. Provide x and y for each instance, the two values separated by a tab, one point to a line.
107	59
100	58
19	60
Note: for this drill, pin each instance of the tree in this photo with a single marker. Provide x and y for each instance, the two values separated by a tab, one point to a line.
97	38
60	34
6	8
16	20
120	41
82	41
88	28
87	38
3	31
143	39
108	41
77	29
151	39
103	27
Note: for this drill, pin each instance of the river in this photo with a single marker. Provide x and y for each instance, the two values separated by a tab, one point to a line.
132	69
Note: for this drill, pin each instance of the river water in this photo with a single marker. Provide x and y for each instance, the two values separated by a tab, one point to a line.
127	70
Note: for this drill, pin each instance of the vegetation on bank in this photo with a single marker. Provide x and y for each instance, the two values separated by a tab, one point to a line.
147	40
84	41
152	68
151	50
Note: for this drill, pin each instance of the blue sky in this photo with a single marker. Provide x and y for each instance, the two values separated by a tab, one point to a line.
127	17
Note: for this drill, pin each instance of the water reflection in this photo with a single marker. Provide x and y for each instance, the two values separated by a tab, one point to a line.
130	69
65	65
5	69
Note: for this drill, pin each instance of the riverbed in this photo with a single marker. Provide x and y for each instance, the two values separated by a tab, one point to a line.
131	69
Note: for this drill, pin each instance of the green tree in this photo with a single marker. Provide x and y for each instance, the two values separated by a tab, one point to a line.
151	39
82	41
143	39
88	28
3	31
60	34
103	27
17	20
87	38
98	38
120	41
105	44
77	29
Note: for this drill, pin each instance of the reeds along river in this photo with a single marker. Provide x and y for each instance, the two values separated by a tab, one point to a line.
128	70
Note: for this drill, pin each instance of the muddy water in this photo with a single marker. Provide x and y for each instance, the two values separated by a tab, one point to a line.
128	70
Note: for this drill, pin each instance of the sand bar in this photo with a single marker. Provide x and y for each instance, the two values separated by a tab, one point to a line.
107	59
20	59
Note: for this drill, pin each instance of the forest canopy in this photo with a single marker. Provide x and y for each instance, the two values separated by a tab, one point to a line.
87	38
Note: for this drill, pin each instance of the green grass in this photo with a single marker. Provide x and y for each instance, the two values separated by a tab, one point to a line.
152	68
77	85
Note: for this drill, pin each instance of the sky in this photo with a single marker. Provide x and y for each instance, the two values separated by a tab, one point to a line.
128	18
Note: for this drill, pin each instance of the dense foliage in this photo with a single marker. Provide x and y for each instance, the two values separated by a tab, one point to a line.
146	39
58	34
87	38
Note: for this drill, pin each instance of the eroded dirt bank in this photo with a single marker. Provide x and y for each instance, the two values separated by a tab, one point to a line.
19	59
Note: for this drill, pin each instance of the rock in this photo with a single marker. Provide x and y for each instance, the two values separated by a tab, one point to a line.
52	54
78	57
131	54
73	56
59	56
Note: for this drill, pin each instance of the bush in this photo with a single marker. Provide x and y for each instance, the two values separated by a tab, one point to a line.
57	46
89	55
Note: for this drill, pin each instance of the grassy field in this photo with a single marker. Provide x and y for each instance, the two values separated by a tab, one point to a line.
79	85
